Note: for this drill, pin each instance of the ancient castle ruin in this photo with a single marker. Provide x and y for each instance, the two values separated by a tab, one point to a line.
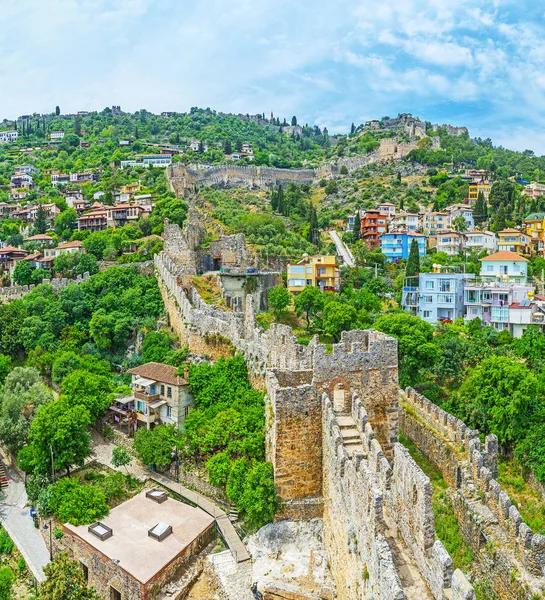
331	434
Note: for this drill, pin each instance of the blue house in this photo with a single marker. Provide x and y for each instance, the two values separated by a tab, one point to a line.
436	297
396	245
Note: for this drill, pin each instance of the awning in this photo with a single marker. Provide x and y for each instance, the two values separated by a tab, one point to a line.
158	404
142	381
124	400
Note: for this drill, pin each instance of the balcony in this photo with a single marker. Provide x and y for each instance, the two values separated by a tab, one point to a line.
538	318
146	396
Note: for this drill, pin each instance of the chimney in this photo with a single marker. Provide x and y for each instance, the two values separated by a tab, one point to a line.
186	373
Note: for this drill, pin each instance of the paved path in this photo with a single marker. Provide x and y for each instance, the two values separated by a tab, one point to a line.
342	248
15	516
238	549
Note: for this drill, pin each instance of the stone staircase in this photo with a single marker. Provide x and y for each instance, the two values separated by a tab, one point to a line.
350	434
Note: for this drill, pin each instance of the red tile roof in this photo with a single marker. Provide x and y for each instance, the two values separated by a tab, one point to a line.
159	372
505	255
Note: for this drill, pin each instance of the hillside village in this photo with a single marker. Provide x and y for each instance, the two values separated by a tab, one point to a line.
242	357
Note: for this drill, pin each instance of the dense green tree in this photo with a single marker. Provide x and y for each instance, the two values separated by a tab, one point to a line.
279	298
337	317
75	503
500	396
20	397
22	274
65	581
460	224
88	390
57	429
413	262
417	352
7	579
309	302
259	501
154	446
66	221
480	212
356	229
5	367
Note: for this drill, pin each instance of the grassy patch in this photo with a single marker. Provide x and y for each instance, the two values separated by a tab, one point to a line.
209	291
530	503
446	524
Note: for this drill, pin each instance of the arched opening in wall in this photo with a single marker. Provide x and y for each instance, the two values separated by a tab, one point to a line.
216	263
339	398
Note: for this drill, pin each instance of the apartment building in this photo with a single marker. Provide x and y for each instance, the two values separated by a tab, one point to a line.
451	243
434	222
435	297
396	245
481	240
534	190
502	294
148	160
406	221
317	271
514	240
483	186
388	209
460	210
535	227
373	225
8	136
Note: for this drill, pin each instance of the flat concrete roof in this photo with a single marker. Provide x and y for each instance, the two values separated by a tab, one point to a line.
138	554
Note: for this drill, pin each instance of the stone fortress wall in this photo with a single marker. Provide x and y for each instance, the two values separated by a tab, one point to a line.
16	292
372	530
331	434
184	179
491	525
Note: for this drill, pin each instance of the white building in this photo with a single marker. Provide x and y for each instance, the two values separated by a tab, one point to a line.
56	135
8	136
148	160
481	240
463	210
450	242
406	221
502	296
388	209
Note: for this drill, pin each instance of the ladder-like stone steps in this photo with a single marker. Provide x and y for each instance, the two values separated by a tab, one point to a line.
350	434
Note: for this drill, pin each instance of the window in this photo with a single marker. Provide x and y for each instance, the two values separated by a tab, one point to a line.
503	269
427	314
169	392
169	411
428	299
85	569
489	268
186	410
162	390
429	285
114	594
142	407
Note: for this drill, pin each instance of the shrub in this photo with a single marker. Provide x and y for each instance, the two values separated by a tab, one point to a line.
76	503
6	544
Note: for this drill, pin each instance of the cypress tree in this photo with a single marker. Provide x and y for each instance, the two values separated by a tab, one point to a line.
500	219
413	263
356	229
281	201
480	213
40	224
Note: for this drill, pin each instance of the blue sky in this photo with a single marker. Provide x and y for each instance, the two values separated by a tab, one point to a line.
479	63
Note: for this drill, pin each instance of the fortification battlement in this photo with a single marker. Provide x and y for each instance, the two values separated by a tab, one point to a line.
357	350
371	494
18	291
450	427
476	479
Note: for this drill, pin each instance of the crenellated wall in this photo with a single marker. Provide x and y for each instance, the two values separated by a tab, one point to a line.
331	436
378	519
489	522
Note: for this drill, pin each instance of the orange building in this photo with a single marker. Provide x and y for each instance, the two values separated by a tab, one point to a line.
373	225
